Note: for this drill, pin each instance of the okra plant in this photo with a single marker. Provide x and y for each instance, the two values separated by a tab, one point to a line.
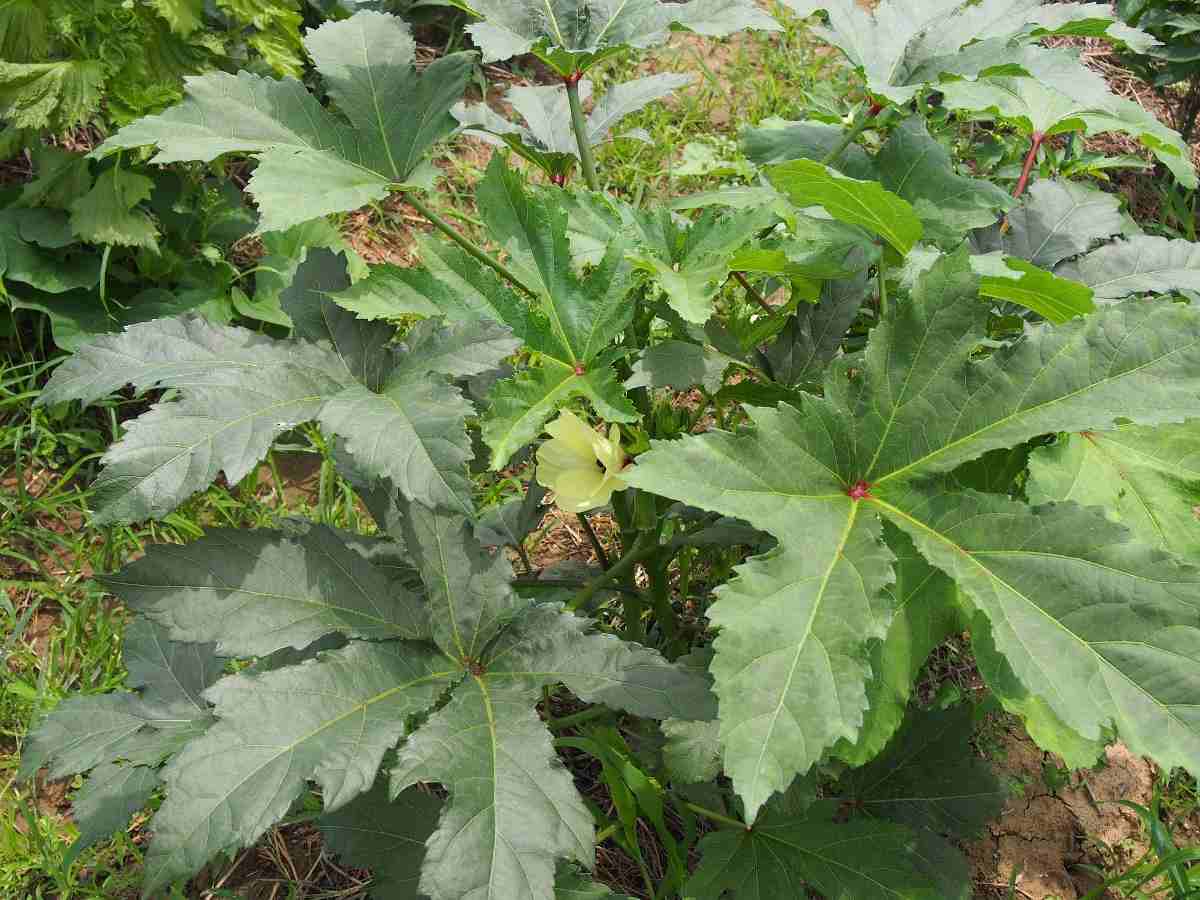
866	401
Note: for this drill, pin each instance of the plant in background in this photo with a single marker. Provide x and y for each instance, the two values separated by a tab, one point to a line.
59	59
548	139
920	385
95	246
1173	65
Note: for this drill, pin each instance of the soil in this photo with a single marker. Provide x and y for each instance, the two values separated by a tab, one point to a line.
1047	836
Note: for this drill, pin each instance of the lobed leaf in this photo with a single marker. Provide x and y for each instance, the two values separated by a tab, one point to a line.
1146	478
549	646
1103	629
469	591
393	116
513	809
383	835
867	859
330	720
916	167
1140	265
255	592
863	203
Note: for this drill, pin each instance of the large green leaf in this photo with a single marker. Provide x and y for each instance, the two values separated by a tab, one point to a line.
83	732
902	47
24	255
513	809
330	720
577	317
361	346
776	141
813	336
878	41
386	836
254	592
680	365
57	95
816	248
930	777
782	856
106	802
1102	628
691	264
108	213
1047	729
931	406
1140	265
926	613
170	674
394	117
285	252
863	203
239	390
791	665
1147	478
447	283
550	646
1055	299
1056	220
23	32
413	431
470	598
916	167
583	314
572	35
918	402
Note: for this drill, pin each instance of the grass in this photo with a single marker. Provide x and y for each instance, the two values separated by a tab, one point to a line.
61	633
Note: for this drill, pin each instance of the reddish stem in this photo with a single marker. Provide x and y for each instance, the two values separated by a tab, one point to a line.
874	110
1035	144
752	293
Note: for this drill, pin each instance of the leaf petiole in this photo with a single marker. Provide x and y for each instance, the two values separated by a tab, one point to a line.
587	161
851	134
466	243
719	818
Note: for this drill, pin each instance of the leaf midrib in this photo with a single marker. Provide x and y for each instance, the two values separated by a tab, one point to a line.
362	706
1016	414
1101	662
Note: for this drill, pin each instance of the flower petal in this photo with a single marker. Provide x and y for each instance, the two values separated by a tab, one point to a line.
562	455
572	431
581	489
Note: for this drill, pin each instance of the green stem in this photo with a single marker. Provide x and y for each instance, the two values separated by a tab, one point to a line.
717	817
645	546
533	582
660	593
883	297
854	131
584	715
597	547
587	162
466	243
